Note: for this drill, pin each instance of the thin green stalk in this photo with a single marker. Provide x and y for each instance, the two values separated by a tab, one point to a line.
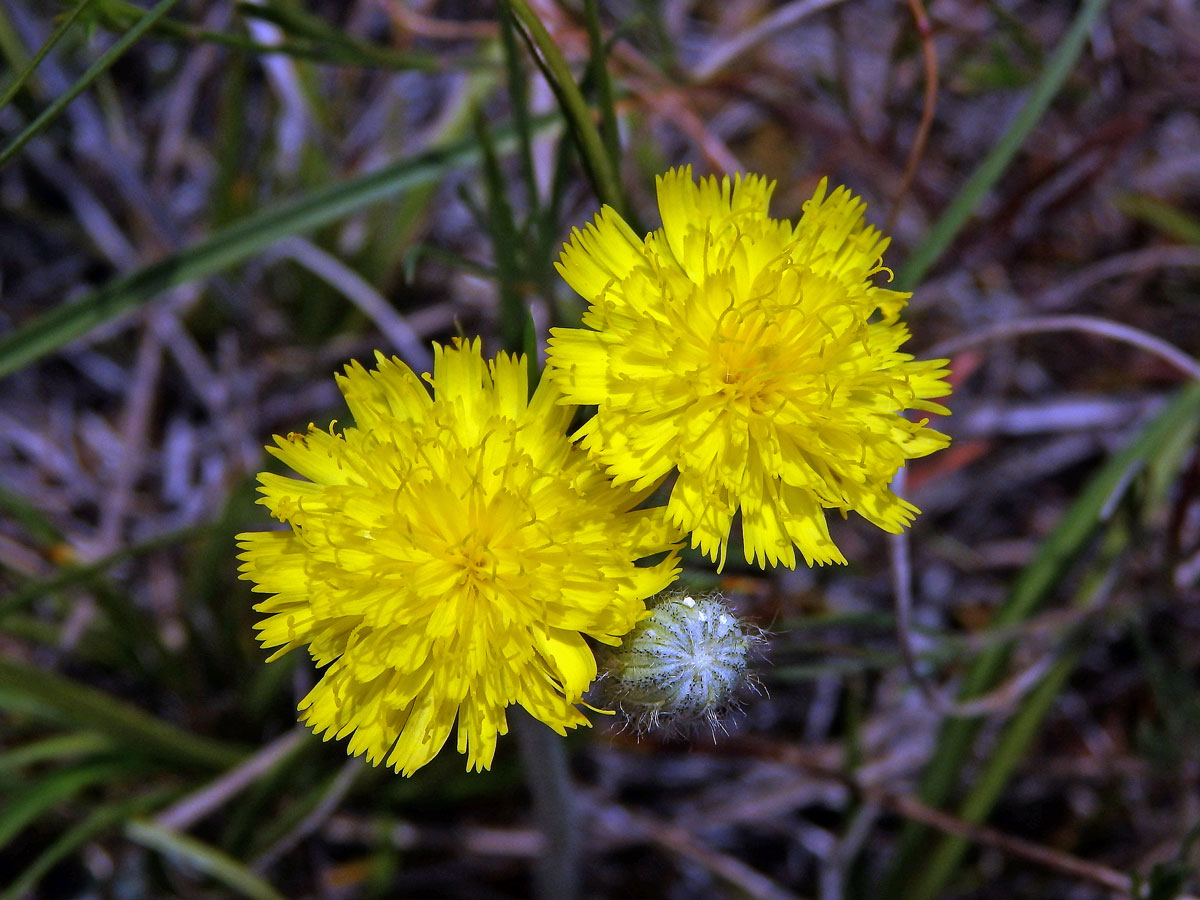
563	308
33	520
293	19
570	98
94	71
118	15
11	47
394	226
61	699
997	161
328	55
420	252
63	26
544	759
986	788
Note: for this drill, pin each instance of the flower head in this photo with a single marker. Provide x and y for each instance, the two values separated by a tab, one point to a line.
446	558
756	357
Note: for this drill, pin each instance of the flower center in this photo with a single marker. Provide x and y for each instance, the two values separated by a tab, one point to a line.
474	559
742	372
475	556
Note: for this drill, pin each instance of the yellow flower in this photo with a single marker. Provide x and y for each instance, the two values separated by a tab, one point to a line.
446	558
754	356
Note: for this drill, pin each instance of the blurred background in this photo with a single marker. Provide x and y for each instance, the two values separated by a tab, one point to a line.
210	206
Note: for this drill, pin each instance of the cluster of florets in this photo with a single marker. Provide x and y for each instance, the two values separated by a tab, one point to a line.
454	554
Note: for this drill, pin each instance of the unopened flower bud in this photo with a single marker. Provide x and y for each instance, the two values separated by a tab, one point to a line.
683	664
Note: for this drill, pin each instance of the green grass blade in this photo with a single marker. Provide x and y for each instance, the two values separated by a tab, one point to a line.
42	794
1163	216
506	244
309	52
230	246
1161	468
604	90
518	96
63	26
63	746
119	15
96	822
1079	524
294	20
33	520
61	699
208	859
996	162
75	574
932	877
987	786
1032	587
12	51
94	71
574	106
393	227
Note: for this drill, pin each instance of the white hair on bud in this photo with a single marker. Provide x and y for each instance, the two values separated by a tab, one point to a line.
683	665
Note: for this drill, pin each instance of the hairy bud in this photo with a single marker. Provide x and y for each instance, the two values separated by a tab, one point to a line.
682	665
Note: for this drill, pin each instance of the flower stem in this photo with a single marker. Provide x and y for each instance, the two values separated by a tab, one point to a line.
544	757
